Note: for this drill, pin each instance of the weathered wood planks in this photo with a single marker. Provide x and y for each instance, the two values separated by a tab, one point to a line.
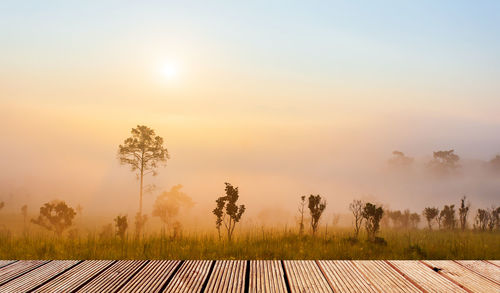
305	276
190	277
483	268
384	277
75	277
153	277
249	276
13	270
40	275
113	277
461	275
425	277
266	276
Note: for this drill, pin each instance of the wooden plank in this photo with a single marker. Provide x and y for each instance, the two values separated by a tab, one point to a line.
343	276
227	276
305	276
5	262
75	277
483	268
425	277
13	270
152	277
384	277
114	277
190	277
266	276
467	278
37	276
495	262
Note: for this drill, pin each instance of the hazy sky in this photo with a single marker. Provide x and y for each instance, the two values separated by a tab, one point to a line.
278	97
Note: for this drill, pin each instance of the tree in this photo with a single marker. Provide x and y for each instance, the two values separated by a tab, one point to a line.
169	203
356	207
316	207
493	218
227	212
447	216
372	215
463	211
55	216
482	219
395	217
301	214
444	161
430	215
24	212
399	159
495	163
414	220
121	224
139	222
144	152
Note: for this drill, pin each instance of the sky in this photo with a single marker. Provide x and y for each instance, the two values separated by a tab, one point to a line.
282	98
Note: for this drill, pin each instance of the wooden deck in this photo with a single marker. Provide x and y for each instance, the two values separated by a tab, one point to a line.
249	276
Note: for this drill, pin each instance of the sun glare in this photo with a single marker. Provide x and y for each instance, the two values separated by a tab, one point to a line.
170	71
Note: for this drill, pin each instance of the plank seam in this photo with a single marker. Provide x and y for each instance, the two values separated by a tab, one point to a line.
55	276
405	276
8	264
210	271
476	272
492	263
287	282
325	276
93	277
17	276
450	279
132	275
247	277
171	276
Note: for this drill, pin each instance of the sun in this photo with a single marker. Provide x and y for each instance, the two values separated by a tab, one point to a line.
170	71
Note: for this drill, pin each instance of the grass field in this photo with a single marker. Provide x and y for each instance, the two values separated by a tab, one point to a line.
256	244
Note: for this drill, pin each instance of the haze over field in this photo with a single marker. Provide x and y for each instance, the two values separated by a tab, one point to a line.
280	102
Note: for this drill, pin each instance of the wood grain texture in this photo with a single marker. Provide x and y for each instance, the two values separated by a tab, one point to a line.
266	276
483	268
384	277
190	277
16	269
460	275
343	276
152	277
227	276
305	276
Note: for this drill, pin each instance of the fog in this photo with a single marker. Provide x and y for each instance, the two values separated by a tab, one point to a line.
50	155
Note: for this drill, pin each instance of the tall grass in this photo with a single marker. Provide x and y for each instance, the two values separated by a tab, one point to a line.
256	244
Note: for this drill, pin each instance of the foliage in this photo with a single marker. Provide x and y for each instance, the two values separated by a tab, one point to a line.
447	217
356	207
55	216
414	220
231	214
430	214
463	211
169	203
444	161
482	219
144	152
372	215
316	206
121	225
399	159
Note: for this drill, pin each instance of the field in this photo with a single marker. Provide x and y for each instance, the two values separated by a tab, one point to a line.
256	244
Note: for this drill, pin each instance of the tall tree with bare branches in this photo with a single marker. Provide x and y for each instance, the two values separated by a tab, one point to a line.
356	207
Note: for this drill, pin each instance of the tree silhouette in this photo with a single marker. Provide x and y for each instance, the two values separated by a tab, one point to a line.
356	207
430	215
316	207
399	159
372	215
302	206
414	220
24	212
168	204
55	216
447	216
495	163
144	152
463	211
227	212
121	224
444	161
482	219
